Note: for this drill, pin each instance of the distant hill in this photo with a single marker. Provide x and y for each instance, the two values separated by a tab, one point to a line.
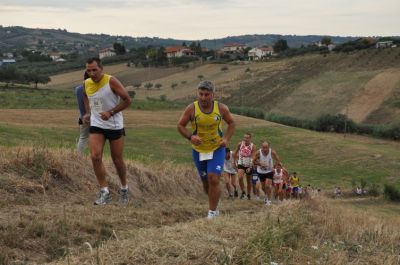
12	38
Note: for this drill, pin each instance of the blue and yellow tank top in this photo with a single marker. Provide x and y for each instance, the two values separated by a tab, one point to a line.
208	127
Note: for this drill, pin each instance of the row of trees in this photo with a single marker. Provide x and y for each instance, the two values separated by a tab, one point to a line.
10	74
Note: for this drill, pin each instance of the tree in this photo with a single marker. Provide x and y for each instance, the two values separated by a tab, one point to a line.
137	85
158	85
148	85
280	46
224	69
326	41
9	73
36	77
200	77
119	48
173	85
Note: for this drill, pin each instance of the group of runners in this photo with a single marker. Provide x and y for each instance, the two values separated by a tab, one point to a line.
102	99
261	167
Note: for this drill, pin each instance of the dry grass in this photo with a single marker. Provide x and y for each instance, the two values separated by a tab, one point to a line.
309	232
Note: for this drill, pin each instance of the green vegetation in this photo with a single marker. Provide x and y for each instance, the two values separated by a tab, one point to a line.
392	193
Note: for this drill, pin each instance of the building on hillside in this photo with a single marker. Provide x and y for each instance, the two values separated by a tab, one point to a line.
55	55
384	44
178	51
107	52
233	48
260	53
7	61
8	55
233	51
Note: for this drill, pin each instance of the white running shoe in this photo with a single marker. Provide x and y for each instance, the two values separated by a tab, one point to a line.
212	214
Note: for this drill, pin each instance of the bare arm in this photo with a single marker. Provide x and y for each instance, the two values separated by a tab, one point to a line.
86	117
125	102
227	116
256	157
183	121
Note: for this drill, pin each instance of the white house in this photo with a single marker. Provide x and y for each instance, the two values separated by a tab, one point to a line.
384	44
55	56
260	53
178	51
107	52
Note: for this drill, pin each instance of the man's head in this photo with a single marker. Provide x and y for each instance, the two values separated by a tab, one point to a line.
205	91
265	147
247	138
94	69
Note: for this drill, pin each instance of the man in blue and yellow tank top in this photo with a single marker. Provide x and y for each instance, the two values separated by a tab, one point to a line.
207	140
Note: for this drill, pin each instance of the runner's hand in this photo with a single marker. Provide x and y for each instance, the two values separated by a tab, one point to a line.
223	142
105	115
195	139
86	118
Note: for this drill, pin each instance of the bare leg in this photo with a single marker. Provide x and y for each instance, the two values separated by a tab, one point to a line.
117	147
214	190
240	176
227	182
96	151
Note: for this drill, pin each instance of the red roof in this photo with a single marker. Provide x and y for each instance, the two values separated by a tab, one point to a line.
174	49
266	49
234	45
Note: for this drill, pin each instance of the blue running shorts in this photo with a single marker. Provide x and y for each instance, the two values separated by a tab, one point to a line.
214	165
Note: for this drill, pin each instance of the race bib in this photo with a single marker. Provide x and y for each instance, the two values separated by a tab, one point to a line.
206	156
255	177
96	105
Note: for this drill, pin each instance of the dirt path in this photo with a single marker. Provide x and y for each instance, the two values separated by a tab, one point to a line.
373	95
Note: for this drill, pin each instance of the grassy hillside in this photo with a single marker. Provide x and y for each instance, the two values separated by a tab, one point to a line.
321	159
364	85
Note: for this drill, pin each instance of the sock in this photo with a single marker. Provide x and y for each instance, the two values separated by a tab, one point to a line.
105	189
124	187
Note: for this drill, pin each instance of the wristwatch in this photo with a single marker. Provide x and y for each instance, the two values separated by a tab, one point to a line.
112	112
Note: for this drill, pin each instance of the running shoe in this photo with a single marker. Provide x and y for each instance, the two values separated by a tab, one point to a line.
103	198
248	197
235	194
243	196
124	193
212	214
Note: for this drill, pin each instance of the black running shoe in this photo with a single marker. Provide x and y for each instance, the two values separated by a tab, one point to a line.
235	194
243	196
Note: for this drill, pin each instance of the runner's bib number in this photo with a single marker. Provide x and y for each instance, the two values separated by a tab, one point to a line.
97	105
206	156
255	177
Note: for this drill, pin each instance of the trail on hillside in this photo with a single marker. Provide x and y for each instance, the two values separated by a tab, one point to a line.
371	97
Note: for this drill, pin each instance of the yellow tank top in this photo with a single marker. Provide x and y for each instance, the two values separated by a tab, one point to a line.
208	127
294	182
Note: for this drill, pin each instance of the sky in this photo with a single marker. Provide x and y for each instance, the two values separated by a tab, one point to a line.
207	19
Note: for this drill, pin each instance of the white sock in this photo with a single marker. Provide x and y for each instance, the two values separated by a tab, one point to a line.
105	189
124	187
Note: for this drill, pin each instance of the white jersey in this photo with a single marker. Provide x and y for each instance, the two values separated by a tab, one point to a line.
245	152
229	165
105	99
278	177
267	162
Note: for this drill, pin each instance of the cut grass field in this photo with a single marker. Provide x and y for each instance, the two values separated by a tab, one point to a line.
321	159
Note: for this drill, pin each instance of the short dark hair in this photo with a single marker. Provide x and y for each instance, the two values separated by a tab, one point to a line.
227	150
85	76
95	59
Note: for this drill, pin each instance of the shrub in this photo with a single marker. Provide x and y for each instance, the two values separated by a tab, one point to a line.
391	193
374	190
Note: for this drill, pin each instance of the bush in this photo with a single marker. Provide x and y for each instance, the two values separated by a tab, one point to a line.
249	112
391	193
374	190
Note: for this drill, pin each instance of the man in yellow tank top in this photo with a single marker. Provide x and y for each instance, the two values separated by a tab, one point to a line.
207	140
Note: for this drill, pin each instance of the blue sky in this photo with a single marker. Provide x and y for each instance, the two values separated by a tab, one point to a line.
190	19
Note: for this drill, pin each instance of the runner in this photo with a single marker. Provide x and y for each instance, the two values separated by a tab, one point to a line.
230	173
207	141
295	183
264	159
83	127
278	182
243	155
105	97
